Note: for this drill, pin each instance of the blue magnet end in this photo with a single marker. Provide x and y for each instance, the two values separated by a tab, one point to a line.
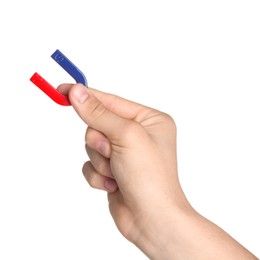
69	67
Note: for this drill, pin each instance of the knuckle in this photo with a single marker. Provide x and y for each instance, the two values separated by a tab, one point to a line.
92	182
92	138
87	172
132	131
88	134
168	121
97	110
167	118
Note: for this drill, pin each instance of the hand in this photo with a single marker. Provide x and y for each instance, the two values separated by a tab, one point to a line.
132	151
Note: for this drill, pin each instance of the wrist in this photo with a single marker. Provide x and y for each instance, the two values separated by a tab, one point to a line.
182	233
162	233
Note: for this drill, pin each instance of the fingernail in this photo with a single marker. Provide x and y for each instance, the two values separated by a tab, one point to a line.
81	94
111	185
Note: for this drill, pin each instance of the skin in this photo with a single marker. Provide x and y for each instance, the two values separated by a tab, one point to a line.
132	152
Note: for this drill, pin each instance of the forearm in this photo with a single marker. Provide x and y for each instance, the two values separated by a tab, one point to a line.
188	235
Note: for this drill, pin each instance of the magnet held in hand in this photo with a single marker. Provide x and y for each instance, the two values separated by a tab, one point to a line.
52	92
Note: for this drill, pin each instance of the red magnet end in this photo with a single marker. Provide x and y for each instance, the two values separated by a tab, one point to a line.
49	90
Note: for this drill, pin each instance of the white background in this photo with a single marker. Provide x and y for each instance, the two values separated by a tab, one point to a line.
196	60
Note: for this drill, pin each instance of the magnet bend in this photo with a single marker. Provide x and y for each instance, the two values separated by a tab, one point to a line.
70	68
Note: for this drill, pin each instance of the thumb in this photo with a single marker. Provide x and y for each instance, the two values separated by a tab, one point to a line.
95	114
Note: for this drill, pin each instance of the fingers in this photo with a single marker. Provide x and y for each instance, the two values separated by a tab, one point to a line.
97	171
97	180
95	114
98	142
99	162
120	106
64	88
